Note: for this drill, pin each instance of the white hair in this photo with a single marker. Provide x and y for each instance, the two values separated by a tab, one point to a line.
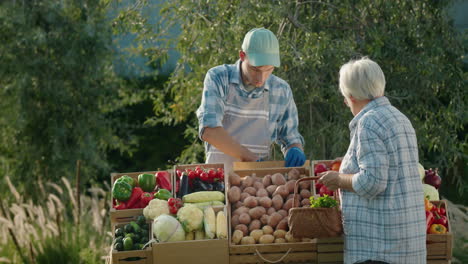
362	79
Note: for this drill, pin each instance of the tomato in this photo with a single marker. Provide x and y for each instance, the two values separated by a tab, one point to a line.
212	175
336	166
319	168
324	190
192	175
204	177
179	173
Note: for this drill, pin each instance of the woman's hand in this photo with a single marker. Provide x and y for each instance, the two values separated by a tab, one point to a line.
331	179
334	180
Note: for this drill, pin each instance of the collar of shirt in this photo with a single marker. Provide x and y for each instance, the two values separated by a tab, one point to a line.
236	79
379	101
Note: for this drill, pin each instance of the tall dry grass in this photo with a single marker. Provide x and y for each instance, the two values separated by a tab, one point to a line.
29	230
458	215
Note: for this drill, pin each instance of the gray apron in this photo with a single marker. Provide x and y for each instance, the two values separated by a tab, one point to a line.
245	120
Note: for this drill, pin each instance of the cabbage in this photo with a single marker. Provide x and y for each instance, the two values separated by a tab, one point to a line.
167	229
430	192
422	172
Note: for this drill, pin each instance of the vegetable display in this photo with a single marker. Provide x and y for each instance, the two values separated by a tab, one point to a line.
131	236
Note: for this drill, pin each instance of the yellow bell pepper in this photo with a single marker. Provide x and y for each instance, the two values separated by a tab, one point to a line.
437	229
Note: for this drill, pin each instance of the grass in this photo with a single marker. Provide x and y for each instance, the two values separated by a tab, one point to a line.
52	229
458	215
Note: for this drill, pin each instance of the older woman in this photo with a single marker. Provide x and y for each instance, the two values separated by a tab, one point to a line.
381	193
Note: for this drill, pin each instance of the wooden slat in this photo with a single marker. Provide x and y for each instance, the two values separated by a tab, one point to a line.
264	165
330	248
330	240
272	248
145	256
438	261
260	172
330	257
211	251
296	257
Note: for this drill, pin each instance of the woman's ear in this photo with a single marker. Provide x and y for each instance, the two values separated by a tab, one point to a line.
242	55
352	99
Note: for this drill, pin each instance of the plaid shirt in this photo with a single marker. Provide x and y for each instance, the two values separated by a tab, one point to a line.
384	219
223	79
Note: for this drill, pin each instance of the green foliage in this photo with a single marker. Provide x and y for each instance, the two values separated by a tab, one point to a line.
58	89
413	41
323	202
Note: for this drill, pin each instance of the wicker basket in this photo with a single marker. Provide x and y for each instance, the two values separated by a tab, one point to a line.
314	222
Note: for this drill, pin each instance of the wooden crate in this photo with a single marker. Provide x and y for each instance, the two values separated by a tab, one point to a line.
439	246
330	250
208	251
183	167
297	252
126	215
132	256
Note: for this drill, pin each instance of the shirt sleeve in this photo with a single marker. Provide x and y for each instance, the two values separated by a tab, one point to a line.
372	158
211	110
288	124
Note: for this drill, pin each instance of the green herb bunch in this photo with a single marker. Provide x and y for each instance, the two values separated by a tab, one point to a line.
323	202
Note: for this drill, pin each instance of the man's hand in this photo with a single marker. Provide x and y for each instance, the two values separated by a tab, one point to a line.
220	138
295	157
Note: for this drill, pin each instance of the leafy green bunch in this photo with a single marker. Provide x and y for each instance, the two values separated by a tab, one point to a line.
323	202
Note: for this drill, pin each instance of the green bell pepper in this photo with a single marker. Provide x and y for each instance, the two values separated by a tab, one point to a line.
147	182
128	180
163	194
121	191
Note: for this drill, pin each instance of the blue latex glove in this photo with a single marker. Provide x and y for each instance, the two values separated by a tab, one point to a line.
295	157
260	160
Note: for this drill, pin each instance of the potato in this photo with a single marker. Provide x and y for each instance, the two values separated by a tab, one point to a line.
234	220
290	238
234	179
250	190
255	224
256	234
267	230
271	189
243	228
237	236
279	233
278	179
262	193
241	210
277	202
239	204
294	174
305	193
244	219
283	212
250	202
264	219
266	180
283	224
305	201
265	202
305	185
281	190
257	212
279	240
247	181
247	240
243	196
271	210
234	194
289	204
266	239
290	185
258	185
274	219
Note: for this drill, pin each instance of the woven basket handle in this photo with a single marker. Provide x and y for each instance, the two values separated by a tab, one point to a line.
296	188
273	261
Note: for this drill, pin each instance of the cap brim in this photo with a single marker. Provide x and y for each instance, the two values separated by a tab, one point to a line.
264	59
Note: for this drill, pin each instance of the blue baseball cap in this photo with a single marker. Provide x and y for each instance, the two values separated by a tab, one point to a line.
261	47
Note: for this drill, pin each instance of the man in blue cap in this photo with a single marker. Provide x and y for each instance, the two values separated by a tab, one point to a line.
245	107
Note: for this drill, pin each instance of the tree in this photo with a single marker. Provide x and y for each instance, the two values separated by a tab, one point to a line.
59	91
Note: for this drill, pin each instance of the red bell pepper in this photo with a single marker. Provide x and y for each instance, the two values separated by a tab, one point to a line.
429	220
163	179
120	206
146	197
134	200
